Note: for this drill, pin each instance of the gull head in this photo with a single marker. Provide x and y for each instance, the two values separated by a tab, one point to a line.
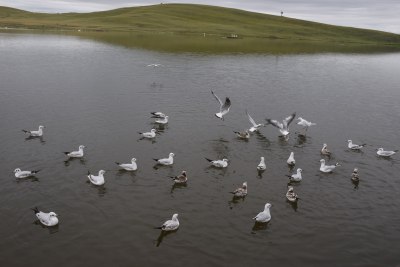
290	189
349	141
324	145
41	127
52	214
17	170
380	149
355	170
183	173
262	158
267	206
166	117
299	170
153	130
225	160
101	172
133	160
299	118
172	155
81	147
244	185
322	160
175	217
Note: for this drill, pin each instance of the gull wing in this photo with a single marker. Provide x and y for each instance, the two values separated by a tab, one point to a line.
275	123
251	119
226	105
289	119
216	97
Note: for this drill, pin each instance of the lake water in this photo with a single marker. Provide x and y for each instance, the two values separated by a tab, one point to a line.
101	95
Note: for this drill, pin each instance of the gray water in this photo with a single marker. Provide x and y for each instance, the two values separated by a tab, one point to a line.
101	95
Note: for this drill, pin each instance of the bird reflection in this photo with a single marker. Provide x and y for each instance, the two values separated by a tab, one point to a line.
40	138
51	229
69	160
30	179
262	140
259	226
355	183
162	235
260	173
176	185
293	205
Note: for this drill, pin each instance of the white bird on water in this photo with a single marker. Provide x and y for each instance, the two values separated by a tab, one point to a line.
161	120
296	177
354	175
291	195
128	166
154	65
261	166
224	107
218	163
264	216
180	179
291	161
166	161
170	225
327	168
384	153
256	126
157	114
305	123
353	146
47	219
37	133
284	125
76	154
325	151
97	180
24	174
240	191
149	135
243	135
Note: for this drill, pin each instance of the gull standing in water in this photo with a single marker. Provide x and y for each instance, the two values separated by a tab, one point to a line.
291	195
37	133
47	219
327	168
354	146
284	126
384	153
166	161
128	166
256	126
149	135
261	166
291	161
76	154
218	163
241	191
162	120
170	225
157	114
305	124
224	107
180	179
296	177
97	180
264	216
24	174
243	135
325	151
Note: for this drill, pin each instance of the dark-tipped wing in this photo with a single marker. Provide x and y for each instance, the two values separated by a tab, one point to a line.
251	119
275	123
289	119
218	99
226	105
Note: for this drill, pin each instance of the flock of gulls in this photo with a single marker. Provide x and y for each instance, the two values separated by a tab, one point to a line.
51	219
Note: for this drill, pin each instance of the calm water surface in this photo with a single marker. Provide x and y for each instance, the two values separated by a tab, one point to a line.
101	95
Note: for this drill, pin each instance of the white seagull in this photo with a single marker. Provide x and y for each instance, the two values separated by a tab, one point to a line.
296	177
240	191
354	146
354	175
37	133
291	195
162	120
291	161
264	216
76	154
325	151
97	180
47	219
24	174
256	126
218	163
166	161
305	123
154	65
170	225
180	179
224	108
150	134
157	114
284	126
384	153
243	135
128	166
327	168
261	166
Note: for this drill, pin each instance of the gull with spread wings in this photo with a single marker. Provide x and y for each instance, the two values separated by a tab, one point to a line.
284	125
256	126
224	108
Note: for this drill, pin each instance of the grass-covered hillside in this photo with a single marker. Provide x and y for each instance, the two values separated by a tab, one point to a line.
195	19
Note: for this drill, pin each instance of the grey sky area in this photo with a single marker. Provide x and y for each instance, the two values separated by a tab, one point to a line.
380	15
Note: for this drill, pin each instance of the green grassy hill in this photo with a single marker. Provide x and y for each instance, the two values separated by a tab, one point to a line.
195	19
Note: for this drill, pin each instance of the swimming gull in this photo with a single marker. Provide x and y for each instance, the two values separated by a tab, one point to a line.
128	166
327	168
170	225
384	153
166	161
37	133
47	219
291	161
180	179
354	146
354	175
264	216
291	195
161	120
157	114
261	166
218	163
150	134
240	191
325	151
76	154
296	177
243	135
97	180
24	174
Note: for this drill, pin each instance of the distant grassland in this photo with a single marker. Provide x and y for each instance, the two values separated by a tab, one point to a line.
189	19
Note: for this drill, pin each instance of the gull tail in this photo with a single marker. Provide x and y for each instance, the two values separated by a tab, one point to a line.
396	150
36	210
288	176
209	160
25	131
66	153
160	227
155	159
35	171
117	163
88	173
140	133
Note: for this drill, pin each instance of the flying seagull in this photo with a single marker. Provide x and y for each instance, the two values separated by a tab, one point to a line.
224	108
284	125
256	126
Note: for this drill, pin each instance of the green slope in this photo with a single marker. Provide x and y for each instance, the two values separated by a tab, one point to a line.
196	19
